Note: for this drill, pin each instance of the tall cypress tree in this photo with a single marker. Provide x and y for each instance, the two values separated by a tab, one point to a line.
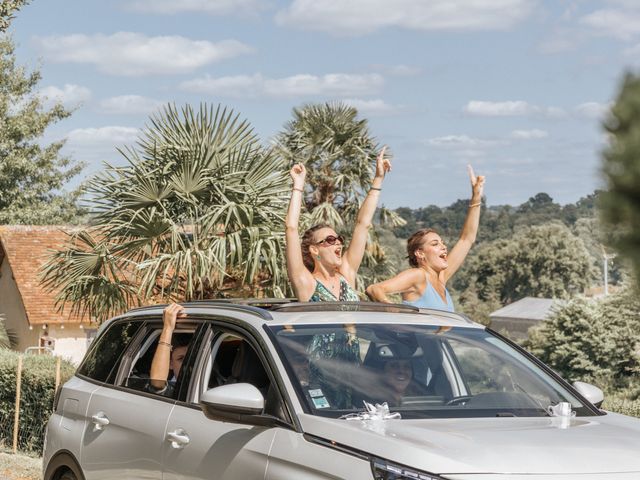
620	204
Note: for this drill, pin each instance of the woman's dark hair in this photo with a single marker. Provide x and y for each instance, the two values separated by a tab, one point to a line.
307	241
415	242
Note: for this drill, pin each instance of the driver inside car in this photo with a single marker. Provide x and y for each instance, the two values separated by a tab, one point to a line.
392	367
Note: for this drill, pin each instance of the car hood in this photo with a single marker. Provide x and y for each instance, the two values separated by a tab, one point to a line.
543	446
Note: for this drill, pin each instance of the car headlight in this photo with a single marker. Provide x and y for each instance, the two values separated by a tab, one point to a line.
383	470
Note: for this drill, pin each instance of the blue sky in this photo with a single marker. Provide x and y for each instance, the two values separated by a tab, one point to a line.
517	88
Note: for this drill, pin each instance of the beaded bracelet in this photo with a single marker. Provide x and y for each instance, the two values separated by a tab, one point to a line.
166	344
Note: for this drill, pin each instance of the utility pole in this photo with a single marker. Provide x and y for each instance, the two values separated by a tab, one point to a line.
605	267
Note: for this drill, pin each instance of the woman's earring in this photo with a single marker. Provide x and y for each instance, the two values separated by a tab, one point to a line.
318	257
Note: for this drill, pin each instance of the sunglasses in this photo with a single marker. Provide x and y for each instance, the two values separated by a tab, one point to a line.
331	240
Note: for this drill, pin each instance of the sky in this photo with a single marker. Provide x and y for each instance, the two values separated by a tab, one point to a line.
516	88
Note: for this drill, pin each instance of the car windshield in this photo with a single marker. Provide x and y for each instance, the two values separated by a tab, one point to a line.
420	371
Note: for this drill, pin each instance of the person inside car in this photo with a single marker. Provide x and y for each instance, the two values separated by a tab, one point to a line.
424	285
169	354
389	376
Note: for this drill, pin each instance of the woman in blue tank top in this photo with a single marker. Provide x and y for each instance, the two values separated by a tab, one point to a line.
424	285
318	268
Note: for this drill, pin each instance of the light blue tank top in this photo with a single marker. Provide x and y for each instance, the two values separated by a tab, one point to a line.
431	299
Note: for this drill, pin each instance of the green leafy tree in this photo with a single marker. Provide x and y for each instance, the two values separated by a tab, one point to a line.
592	340
32	176
7	10
198	212
621	168
497	221
539	261
339	154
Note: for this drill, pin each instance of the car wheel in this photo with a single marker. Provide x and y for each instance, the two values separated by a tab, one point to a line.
68	475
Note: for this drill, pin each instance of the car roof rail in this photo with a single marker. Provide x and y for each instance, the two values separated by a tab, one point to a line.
345	307
366	307
262	306
257	306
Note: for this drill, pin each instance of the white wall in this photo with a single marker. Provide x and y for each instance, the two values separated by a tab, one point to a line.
70	342
13	310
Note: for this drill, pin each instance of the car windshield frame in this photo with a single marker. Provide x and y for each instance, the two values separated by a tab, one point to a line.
519	402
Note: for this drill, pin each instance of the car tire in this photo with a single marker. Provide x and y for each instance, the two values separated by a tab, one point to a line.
63	467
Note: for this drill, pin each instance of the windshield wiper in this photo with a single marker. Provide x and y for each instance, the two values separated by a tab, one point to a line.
531	397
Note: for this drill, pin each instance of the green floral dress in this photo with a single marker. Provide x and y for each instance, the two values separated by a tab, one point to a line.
322	293
332	354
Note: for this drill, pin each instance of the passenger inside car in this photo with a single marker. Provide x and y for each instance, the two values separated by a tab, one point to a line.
170	353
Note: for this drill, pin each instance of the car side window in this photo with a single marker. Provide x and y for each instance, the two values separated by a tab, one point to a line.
233	359
137	373
103	359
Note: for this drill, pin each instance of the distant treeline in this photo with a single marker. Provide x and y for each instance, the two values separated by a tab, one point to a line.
498	221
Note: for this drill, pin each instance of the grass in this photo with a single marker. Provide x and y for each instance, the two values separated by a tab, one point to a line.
20	467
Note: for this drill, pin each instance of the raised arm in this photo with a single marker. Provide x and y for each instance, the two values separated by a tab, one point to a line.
355	252
162	357
301	279
470	228
407	281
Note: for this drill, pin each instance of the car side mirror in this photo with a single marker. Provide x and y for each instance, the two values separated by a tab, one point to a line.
237	402
590	392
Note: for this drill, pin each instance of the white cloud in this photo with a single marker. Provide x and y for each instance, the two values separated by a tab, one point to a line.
97	145
210	7
134	54
129	105
623	24
631	4
114	135
497	109
69	95
561	41
333	84
593	109
533	134
354	17
510	109
462	141
375	107
397	70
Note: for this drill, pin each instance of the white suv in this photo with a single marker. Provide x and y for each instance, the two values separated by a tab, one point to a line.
357	391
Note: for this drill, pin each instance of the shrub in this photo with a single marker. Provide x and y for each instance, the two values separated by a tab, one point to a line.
594	341
622	405
37	393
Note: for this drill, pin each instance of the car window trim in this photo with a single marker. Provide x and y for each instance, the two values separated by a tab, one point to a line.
252	335
149	324
94	346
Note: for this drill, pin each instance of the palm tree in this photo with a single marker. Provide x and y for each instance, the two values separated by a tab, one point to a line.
339	154
197	212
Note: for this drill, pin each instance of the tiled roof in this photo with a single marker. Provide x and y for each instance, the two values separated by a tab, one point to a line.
26	249
528	308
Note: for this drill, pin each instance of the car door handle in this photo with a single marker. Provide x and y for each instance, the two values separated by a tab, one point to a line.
178	438
100	420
